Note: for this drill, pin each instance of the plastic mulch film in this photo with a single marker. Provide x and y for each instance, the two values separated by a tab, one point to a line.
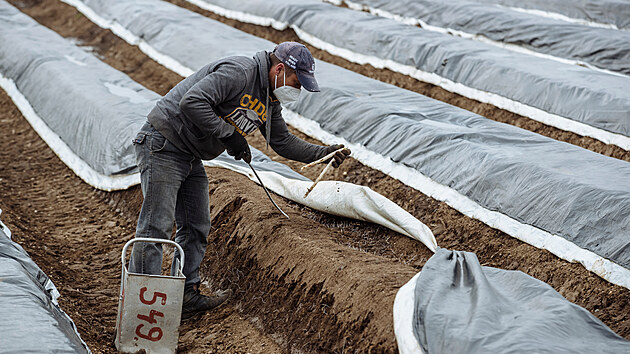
563	189
460	306
31	318
601	47
570	97
602	13
92	122
512	179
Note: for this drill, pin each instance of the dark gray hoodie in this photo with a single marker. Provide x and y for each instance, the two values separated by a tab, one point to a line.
228	94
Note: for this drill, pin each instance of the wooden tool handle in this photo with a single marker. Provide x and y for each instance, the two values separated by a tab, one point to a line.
319	177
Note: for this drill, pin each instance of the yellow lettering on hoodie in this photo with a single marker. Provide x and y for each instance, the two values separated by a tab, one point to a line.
248	102
252	103
245	100
260	109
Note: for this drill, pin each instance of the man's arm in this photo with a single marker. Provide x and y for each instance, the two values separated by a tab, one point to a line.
288	145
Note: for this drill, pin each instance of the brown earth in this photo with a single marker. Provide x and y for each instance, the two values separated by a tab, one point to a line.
340	299
282	303
75	234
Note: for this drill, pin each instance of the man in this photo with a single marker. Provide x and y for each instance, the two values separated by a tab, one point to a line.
209	112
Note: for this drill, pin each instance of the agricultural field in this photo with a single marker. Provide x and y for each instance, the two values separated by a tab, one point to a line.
319	282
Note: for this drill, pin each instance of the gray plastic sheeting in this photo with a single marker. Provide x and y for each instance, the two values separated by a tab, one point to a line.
565	190
604	48
92	118
171	29
579	195
31	321
463	307
591	97
614	12
261	162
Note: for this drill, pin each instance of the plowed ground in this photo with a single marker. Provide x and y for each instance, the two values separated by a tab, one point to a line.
314	283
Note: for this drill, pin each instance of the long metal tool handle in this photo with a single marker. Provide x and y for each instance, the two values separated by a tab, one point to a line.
266	191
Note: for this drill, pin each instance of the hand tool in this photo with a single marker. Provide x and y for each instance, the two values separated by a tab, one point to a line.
319	177
322	159
266	191
329	156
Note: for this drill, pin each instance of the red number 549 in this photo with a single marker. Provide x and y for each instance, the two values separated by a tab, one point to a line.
155	333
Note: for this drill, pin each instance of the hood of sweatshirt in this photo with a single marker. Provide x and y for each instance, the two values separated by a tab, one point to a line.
263	62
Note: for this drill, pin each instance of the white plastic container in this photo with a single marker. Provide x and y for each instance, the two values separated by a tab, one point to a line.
149	307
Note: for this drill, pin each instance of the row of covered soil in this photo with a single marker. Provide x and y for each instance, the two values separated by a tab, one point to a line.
315	282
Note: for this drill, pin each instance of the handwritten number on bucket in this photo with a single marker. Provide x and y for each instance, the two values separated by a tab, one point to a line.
155	333
155	295
149	336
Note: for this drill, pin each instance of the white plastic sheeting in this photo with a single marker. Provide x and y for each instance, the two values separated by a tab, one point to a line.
62	150
576	99
194	48
4	227
332	197
42	65
403	315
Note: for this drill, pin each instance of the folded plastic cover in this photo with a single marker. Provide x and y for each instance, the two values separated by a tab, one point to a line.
460	306
92	118
601	47
579	195
580	94
31	320
613	12
333	197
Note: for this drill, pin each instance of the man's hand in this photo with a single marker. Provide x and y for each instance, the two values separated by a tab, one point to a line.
339	156
237	146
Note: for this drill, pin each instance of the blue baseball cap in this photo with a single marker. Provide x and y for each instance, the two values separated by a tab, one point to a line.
298	58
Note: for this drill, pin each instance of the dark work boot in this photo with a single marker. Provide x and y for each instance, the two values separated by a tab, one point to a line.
195	303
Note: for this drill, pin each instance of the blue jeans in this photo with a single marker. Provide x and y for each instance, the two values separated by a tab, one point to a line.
175	189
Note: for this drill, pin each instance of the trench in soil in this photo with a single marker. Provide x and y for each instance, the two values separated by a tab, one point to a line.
282	302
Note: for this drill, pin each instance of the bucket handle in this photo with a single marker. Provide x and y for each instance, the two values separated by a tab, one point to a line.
153	240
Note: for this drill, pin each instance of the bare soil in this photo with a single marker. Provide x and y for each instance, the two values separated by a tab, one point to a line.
315	283
75	234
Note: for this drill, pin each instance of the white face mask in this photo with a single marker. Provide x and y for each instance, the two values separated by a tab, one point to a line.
286	94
